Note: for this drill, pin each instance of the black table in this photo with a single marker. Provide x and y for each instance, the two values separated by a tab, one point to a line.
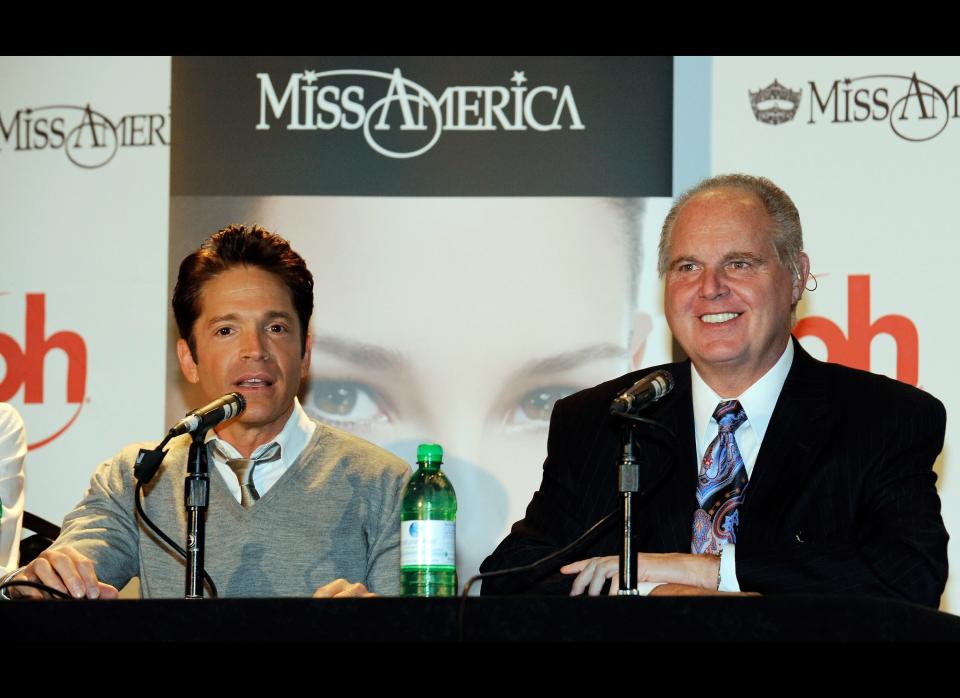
769	618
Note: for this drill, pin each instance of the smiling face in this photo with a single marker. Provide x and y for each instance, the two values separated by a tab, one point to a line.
247	340
728	299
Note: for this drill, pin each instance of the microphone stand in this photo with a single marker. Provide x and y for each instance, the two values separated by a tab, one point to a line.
629	485
196	496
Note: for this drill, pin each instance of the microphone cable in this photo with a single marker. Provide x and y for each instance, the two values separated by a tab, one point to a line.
34	585
527	568
138	496
147	464
554	555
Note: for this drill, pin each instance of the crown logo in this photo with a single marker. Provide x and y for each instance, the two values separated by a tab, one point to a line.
782	103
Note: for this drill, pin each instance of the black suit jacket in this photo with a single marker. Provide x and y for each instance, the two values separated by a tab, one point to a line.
842	497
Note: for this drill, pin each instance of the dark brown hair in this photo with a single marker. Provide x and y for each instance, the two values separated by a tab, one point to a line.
235	246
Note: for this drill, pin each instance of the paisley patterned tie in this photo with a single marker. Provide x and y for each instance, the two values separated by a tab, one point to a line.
723	478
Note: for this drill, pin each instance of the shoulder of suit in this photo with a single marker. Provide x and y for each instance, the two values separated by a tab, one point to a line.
873	390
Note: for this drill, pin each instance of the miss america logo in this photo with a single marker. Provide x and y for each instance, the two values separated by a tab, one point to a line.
407	120
88	137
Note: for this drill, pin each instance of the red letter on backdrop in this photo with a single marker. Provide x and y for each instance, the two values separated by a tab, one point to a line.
855	351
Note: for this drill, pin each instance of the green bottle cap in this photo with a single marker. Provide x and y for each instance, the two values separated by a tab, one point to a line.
429	453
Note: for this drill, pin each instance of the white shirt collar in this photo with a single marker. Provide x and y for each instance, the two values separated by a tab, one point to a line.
758	401
293	438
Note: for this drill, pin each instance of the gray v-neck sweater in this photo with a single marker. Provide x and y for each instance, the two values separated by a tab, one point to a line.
335	513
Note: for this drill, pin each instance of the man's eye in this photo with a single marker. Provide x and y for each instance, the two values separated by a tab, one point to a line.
534	408
344	403
739	264
687	267
224	331
277	329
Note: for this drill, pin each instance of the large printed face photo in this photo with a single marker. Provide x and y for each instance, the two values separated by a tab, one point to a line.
461	321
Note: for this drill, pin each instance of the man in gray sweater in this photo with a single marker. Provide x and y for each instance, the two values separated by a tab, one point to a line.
296	507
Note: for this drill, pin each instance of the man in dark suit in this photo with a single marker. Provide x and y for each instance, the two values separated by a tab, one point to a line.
783	474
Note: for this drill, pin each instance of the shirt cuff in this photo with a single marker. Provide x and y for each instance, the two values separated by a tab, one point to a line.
728	569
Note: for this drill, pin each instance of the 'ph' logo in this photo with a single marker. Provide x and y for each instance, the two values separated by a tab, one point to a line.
24	367
854	351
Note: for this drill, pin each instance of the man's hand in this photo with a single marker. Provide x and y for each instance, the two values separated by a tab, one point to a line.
698	571
342	589
593	573
63	569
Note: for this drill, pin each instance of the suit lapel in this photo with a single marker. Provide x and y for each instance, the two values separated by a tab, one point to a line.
670	464
800	427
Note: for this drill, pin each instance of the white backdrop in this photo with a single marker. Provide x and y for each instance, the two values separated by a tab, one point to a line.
93	242
871	204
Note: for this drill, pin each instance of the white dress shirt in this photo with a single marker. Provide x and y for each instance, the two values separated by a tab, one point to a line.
758	402
293	438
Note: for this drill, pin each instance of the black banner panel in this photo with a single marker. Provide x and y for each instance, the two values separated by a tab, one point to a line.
429	126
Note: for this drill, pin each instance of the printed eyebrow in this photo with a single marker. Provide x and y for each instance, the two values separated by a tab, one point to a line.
381	358
360	353
567	360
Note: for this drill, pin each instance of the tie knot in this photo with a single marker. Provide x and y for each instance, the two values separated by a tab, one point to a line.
243	469
729	415
243	466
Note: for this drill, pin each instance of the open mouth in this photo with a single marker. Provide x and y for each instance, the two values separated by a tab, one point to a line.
254	383
718	318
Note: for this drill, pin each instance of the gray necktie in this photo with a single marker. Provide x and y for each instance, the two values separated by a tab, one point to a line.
243	468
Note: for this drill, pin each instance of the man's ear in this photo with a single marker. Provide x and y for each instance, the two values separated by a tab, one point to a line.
188	366
800	279
305	359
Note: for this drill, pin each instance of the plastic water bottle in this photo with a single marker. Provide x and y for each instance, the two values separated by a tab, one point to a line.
428	525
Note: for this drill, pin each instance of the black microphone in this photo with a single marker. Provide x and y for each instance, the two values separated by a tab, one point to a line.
220	410
644	392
